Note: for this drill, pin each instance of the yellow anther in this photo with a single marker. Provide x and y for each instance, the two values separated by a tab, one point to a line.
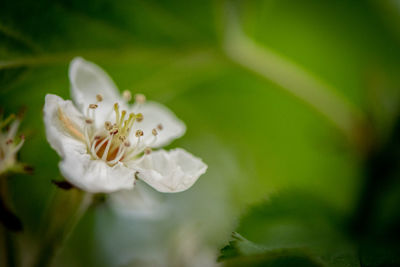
127	95
160	127
93	106
139	133
99	97
140	98
139	117
154	132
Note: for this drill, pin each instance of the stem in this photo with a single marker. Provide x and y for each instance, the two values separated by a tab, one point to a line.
292	78
59	234
11	223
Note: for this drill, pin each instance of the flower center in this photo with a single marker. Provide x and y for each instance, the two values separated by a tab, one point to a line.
111	142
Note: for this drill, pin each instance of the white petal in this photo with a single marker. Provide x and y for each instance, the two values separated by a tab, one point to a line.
88	80
155	114
139	202
172	171
95	176
64	132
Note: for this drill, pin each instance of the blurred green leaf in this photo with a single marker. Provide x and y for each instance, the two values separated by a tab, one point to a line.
291	227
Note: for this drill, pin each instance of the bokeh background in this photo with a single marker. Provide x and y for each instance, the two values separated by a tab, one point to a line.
294	105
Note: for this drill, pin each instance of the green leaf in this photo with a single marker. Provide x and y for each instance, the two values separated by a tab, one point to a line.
291	227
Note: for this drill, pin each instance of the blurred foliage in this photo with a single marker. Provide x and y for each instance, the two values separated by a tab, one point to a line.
291	225
257	140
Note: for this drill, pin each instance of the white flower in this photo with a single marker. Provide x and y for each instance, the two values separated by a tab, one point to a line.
10	144
104	142
142	202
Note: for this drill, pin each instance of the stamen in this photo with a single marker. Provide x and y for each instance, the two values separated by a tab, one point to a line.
108	125
99	98
127	95
147	151
87	139
139	117
105	153
123	113
93	148
9	141
139	133
154	132
116	109
18	147
7	121
13	129
140	98
160	127
93	106
89	121
101	144
129	122
120	154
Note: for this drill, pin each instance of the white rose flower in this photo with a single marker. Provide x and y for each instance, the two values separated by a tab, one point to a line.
105	143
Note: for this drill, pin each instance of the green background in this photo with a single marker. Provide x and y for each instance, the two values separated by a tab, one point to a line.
263	146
